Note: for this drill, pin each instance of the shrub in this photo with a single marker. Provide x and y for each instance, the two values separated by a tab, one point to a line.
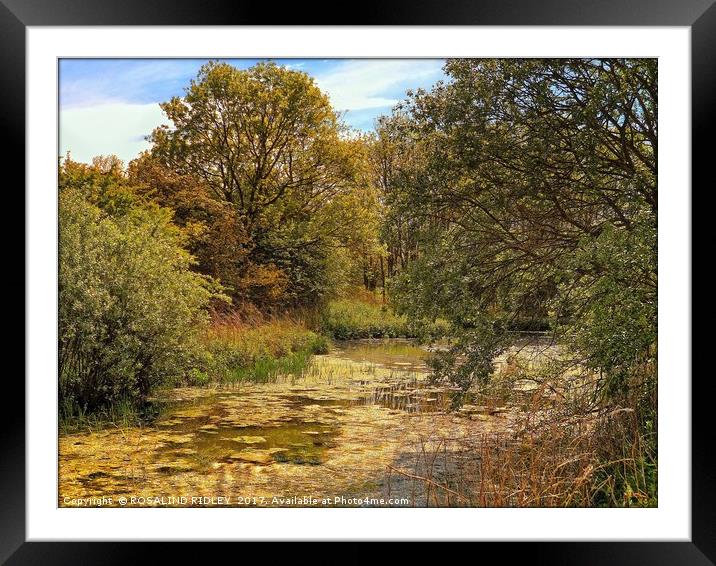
129	306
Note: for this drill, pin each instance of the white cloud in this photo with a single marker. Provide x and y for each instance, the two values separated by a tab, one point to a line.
361	84
96	118
111	128
115	81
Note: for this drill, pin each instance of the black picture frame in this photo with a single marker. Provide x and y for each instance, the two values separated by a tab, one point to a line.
699	15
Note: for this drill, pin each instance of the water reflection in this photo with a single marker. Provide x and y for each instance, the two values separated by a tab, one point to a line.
333	429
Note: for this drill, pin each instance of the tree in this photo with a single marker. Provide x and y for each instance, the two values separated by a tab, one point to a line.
267	142
392	156
535	199
215	237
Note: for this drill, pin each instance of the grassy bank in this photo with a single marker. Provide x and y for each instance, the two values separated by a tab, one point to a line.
238	350
349	319
251	347
123	413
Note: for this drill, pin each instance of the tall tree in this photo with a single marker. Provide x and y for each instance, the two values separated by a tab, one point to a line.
256	137
267	142
536	198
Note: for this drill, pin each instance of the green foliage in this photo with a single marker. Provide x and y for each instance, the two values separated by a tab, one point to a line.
196	376
129	305
267	369
469	359
346	319
530	188
265	144
257	352
617	324
102	184
122	412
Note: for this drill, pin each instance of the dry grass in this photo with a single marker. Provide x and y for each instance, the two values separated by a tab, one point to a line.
559	451
247	345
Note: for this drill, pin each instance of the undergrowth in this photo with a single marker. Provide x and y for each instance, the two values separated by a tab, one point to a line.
348	319
236	349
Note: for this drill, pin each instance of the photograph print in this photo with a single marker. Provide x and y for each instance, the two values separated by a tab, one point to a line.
357	283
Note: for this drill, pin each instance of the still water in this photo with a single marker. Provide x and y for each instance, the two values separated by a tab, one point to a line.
340	434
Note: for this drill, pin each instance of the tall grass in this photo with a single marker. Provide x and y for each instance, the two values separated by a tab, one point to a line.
268	369
253	348
74	417
598	460
346	319
563	449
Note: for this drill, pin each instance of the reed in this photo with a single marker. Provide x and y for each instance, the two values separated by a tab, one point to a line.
565	453
254	348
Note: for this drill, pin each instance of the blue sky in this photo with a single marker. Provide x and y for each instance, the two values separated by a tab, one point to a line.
107	106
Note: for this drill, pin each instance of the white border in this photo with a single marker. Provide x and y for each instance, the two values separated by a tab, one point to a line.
671	521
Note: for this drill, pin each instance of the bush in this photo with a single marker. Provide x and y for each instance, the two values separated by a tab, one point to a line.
129	306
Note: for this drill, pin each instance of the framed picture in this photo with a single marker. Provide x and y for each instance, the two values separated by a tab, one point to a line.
388	281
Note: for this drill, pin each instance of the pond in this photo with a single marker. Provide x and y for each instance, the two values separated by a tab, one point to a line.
352	430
